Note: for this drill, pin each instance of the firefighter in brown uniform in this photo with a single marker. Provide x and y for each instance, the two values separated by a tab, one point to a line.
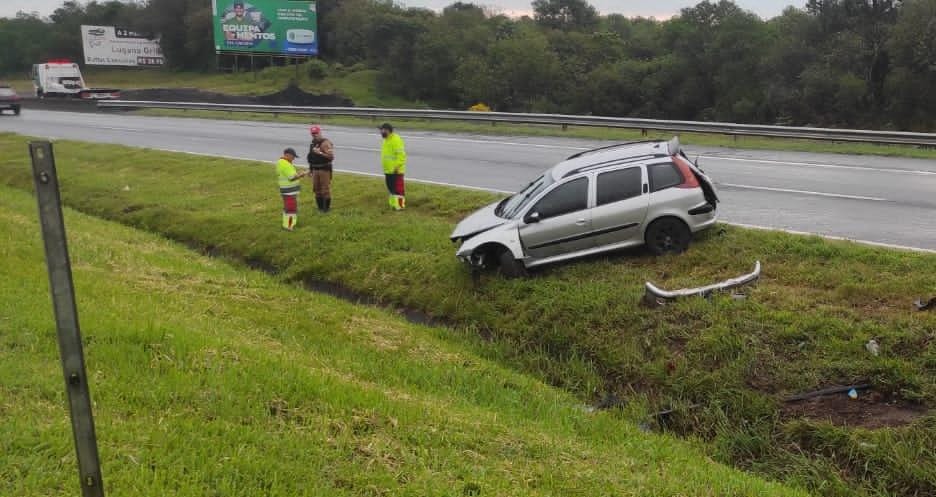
321	155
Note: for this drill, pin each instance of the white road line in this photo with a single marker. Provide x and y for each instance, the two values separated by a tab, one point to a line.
740	225
838	238
349	171
803	192
823	166
421	136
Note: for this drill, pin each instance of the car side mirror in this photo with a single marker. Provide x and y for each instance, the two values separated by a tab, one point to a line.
532	218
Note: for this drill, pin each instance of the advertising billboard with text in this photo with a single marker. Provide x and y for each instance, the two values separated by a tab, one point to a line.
115	46
279	27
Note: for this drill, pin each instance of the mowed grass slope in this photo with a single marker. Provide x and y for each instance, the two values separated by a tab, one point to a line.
209	380
358	84
579	326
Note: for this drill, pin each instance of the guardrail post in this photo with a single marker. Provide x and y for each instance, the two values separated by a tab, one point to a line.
66	318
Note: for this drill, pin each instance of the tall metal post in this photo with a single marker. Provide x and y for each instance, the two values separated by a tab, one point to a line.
66	317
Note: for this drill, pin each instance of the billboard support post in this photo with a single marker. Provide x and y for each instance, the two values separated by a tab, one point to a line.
66	317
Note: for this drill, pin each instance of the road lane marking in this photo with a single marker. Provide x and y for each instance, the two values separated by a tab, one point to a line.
350	171
802	192
838	238
822	166
740	225
418	136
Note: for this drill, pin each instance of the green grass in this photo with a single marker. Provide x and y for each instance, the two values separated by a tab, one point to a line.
210	380
578	326
355	83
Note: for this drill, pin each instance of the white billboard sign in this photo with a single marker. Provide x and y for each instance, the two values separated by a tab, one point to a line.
112	46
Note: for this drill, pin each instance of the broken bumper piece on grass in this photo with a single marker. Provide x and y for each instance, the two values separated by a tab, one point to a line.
922	305
655	296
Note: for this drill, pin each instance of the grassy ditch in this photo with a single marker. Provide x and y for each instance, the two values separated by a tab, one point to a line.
213	380
725	365
500	129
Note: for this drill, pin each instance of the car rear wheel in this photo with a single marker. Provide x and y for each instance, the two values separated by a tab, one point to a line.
668	236
509	266
16	111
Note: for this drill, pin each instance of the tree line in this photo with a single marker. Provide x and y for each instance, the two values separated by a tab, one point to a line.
854	63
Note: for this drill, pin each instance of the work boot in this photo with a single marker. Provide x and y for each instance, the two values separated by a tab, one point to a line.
327	202
320	202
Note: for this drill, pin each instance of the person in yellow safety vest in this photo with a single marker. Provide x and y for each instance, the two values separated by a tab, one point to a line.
289	188
393	159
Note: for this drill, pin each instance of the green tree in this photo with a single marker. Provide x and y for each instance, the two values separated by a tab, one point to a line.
186	32
910	85
565	14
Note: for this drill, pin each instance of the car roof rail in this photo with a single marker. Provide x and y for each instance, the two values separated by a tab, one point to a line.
608	147
610	163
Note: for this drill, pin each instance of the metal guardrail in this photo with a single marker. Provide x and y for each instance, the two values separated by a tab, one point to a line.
731	129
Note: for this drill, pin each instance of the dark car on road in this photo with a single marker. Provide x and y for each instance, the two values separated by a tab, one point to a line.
9	100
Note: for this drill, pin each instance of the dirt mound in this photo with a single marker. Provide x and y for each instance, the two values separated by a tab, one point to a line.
292	95
870	410
183	95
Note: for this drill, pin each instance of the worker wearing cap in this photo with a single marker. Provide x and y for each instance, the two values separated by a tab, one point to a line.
289	188
393	159
321	155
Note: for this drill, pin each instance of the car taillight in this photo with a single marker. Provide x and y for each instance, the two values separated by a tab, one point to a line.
689	177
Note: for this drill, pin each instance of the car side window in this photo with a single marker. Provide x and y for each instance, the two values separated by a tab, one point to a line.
570	197
622	184
664	175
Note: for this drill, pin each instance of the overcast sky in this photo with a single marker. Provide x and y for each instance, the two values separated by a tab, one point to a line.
646	8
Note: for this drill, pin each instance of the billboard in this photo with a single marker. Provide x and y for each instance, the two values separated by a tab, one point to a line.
280	27
114	46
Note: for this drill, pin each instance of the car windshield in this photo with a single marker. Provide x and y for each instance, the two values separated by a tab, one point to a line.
511	206
7	92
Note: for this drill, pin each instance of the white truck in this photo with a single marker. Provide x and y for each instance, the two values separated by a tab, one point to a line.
62	78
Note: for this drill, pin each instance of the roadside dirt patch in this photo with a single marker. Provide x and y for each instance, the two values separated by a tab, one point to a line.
294	95
870	410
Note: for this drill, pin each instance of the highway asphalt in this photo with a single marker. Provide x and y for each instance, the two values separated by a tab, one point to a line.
874	199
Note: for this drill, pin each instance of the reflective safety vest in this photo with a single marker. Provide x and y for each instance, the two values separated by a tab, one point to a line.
286	170
393	154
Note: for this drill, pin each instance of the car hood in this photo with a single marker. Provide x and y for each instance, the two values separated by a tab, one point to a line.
481	220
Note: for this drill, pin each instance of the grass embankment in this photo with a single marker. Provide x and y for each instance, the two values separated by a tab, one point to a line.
209	380
579	326
358	84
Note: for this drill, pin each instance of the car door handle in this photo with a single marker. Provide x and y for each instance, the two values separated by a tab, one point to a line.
581	222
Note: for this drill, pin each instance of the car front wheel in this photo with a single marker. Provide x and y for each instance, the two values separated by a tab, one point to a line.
509	266
668	236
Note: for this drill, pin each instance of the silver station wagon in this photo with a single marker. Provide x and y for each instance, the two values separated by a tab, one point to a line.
596	201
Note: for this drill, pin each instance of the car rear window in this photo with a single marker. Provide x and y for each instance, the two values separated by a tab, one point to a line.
7	92
619	185
663	176
570	197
